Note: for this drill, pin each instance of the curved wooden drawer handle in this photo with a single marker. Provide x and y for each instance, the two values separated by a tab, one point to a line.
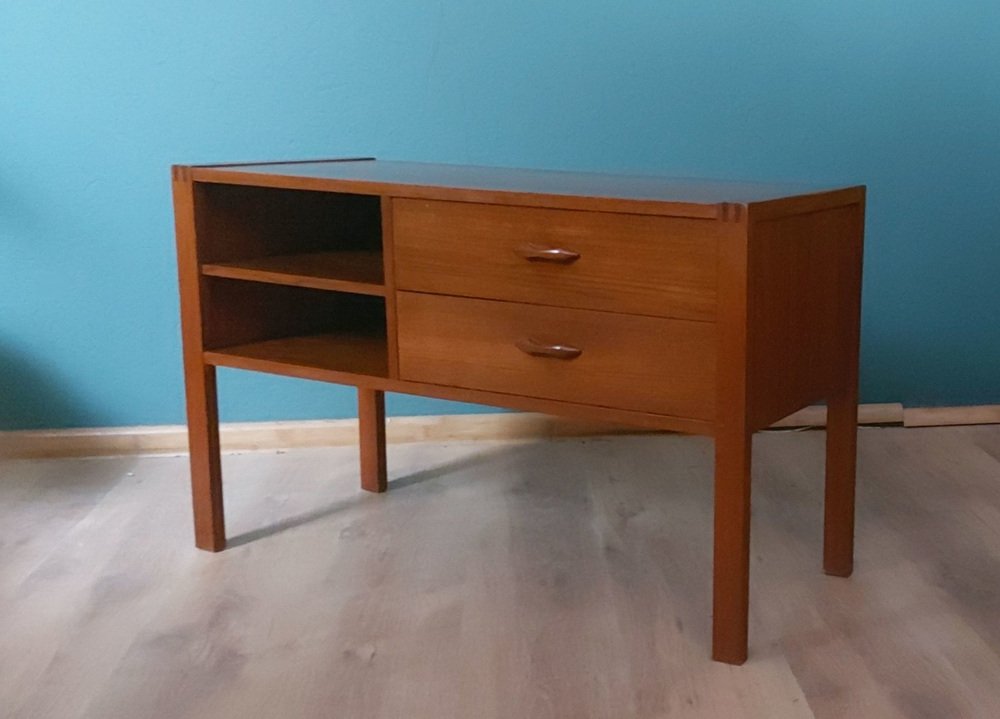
540	349
538	253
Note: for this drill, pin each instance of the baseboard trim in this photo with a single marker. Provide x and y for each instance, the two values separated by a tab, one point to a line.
252	436
815	416
946	416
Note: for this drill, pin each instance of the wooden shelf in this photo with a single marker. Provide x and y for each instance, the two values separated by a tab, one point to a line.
356	271
349	354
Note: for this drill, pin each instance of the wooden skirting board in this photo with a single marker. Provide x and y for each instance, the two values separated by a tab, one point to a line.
252	436
890	413
943	416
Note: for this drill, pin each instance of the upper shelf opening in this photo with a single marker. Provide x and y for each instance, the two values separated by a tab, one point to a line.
263	229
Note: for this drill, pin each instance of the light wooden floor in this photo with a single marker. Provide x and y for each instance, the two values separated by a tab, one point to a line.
564	579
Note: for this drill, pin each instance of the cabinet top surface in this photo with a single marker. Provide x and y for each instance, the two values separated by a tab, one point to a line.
383	175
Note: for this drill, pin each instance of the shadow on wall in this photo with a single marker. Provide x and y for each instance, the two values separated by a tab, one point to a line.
31	397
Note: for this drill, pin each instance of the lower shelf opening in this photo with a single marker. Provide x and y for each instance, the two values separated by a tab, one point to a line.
295	331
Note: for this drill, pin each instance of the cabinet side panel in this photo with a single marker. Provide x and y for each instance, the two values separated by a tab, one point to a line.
188	268
804	290
199	379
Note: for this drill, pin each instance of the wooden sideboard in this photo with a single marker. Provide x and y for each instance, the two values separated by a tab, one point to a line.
711	308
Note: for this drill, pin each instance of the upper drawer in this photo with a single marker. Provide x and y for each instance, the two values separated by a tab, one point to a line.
640	264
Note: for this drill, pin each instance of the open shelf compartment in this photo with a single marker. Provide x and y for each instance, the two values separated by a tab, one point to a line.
285	330
318	240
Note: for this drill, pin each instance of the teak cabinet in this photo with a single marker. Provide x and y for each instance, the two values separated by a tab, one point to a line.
703	307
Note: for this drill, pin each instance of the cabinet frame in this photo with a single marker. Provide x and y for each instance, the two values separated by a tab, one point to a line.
787	324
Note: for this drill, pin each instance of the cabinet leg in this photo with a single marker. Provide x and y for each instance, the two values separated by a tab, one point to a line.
206	466
841	461
731	580
842	414
371	428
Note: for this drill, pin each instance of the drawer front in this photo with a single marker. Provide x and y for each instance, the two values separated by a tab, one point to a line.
640	264
648	364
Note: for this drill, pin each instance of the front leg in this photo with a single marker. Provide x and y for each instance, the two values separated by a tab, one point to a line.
203	446
731	579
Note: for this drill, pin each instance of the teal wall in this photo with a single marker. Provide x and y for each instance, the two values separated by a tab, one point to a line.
98	99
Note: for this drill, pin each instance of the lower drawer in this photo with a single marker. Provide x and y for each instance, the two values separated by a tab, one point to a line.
640	363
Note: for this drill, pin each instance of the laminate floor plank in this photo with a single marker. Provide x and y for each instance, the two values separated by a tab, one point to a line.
38	506
563	579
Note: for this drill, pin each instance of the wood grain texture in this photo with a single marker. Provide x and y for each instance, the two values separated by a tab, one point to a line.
371	431
659	266
474	343
311	161
804	273
733	445
234	436
341	354
947	416
842	400
357	271
389	263
199	380
238	222
274	363
804	298
816	415
531	579
802	204
701	306
841	462
731	539
239	313
642	194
